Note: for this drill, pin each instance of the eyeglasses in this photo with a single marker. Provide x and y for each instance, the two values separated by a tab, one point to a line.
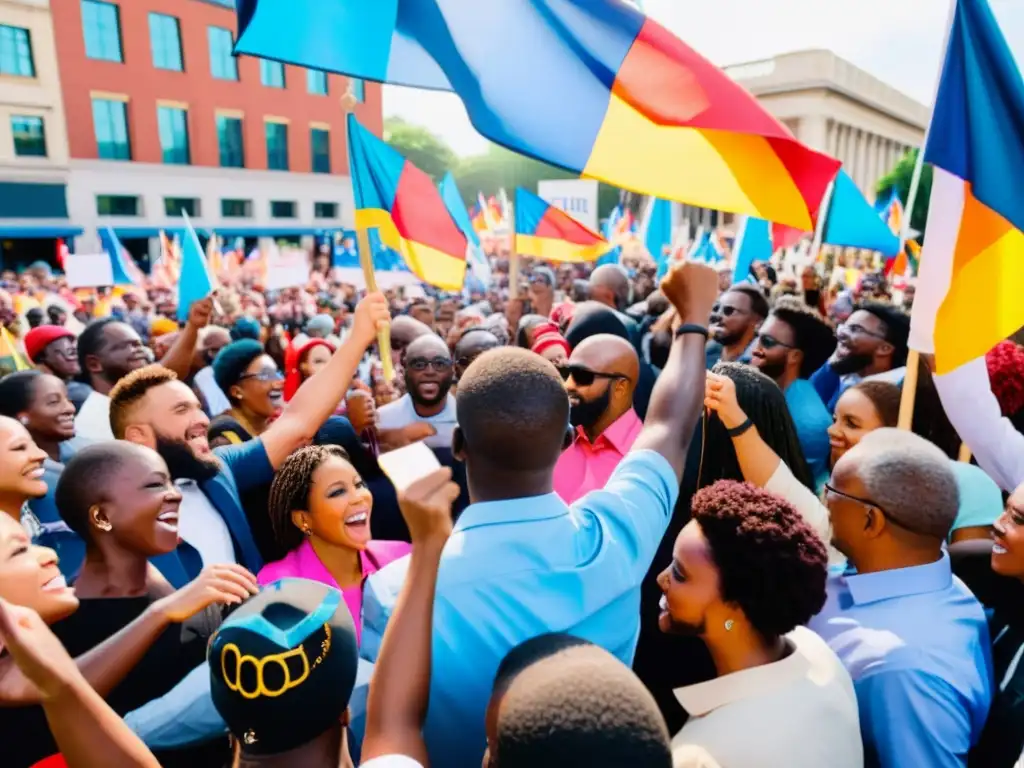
584	377
726	311
860	330
770	342
831	491
439	364
264	376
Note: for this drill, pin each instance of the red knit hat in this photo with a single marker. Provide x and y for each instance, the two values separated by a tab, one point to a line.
40	338
547	336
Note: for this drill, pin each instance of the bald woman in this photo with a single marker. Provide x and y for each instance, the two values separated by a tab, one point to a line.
600	378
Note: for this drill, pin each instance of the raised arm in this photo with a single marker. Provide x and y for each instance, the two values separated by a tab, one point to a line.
87	731
319	396
675	404
179	356
400	687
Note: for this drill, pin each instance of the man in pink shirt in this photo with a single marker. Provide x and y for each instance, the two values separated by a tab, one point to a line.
600	378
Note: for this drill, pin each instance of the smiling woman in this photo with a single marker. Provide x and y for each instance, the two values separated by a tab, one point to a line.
254	386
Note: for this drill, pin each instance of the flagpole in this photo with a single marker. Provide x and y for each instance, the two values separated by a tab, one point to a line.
909	394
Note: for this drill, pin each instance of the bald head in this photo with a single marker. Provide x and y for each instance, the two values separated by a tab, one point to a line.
473	343
609	284
405	330
605	353
429	346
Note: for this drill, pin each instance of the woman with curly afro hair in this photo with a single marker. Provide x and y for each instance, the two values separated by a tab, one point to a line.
746	573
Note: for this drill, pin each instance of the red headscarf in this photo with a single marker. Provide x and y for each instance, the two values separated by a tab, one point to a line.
293	379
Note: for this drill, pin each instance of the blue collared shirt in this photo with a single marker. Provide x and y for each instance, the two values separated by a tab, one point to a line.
516	569
812	420
916	644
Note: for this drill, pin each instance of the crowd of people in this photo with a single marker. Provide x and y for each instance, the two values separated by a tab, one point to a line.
596	520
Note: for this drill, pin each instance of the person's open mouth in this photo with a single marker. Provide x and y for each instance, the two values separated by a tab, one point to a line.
196	439
430	389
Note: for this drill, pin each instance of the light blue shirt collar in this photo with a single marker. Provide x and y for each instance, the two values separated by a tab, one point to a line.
900	582
525	509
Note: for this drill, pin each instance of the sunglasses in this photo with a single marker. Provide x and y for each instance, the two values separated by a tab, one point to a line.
264	376
770	342
584	377
439	364
727	311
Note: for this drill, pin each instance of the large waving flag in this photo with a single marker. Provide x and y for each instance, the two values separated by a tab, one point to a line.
401	202
478	263
122	266
854	223
592	86
972	267
753	243
549	233
196	282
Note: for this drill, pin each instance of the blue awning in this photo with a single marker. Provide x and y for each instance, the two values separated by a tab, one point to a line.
144	232
273	231
38	233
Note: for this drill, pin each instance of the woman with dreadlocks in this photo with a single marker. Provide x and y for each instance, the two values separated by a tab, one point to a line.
320	511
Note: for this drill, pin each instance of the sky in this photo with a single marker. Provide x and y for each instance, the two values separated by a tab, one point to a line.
898	41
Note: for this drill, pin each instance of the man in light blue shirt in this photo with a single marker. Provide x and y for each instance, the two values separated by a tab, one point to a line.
520	561
912	636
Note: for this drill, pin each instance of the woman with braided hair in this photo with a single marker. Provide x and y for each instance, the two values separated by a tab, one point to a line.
320	511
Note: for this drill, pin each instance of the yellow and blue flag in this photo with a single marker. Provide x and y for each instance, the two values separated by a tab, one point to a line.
550	234
401	202
972	264
592	86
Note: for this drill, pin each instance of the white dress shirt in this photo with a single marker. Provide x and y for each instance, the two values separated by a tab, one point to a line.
200	524
93	420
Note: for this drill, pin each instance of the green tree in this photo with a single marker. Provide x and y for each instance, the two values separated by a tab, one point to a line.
899	178
420	147
500	168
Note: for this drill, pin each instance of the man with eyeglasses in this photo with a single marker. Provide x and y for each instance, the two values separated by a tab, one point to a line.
600	378
428	378
789	347
735	319
871	344
912	636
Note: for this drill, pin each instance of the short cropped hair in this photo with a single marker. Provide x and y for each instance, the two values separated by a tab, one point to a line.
513	409
131	389
770	562
909	478
758	302
90	342
812	334
579	706
895	325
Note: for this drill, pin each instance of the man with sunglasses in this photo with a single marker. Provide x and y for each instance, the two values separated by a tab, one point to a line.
600	378
871	344
912	636
735	319
788	348
428	378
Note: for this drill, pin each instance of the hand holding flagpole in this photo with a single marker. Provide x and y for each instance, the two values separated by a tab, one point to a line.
384	334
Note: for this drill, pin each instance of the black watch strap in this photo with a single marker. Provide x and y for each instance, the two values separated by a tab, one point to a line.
737	431
688	328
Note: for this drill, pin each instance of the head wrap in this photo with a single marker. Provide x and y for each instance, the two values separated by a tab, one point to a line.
546	336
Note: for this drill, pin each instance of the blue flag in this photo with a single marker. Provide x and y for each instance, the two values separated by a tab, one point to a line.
477	261
195	282
657	232
122	273
854	223
754	243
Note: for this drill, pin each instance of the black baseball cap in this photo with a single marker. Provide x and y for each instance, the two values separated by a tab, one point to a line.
283	665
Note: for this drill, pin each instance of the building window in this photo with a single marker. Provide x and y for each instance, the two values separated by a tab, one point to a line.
325	210
316	82
16	52
277	146
272	73
173	125
174	206
165	40
236	209
282	209
223	65
320	142
110	121
102	27
117	205
358	89
229	137
29	136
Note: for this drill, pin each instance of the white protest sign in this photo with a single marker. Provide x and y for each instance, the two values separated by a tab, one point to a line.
88	270
577	197
287	268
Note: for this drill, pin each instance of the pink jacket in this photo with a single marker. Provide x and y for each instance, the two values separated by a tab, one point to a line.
303	563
